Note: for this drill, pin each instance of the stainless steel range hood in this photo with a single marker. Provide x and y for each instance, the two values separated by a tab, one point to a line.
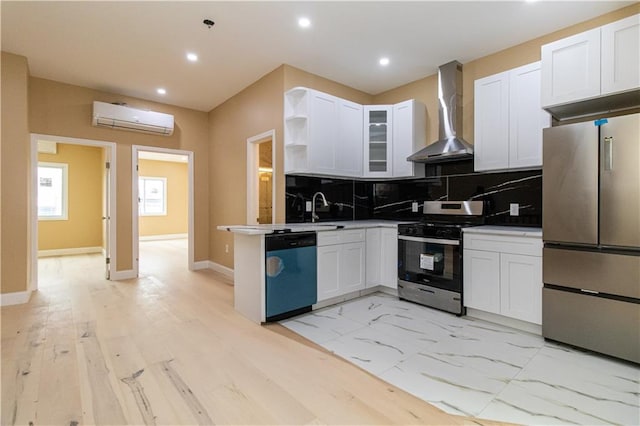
449	146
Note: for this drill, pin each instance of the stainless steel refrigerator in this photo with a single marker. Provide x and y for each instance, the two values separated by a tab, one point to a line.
591	232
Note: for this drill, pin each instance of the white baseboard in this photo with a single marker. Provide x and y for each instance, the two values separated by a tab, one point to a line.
506	321
220	268
123	275
164	237
17	298
202	264
69	251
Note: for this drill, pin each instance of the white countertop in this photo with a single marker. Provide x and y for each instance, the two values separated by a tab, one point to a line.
516	231
309	227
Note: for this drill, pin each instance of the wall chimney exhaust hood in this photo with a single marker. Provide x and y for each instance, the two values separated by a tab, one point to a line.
449	146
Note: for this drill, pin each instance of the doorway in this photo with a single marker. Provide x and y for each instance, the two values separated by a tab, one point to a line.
261	168
71	199
162	201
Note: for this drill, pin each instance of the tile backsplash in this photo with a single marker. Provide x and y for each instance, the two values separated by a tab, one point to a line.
364	199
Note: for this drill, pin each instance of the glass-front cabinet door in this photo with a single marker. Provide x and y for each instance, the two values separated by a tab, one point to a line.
377	146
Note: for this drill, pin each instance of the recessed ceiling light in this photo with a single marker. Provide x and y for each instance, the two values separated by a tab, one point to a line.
384	61
304	22
161	91
192	57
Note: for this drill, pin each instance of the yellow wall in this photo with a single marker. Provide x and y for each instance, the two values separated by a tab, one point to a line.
65	110
83	228
15	243
426	89
176	220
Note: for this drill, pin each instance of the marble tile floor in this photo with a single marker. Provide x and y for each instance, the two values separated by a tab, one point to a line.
472	367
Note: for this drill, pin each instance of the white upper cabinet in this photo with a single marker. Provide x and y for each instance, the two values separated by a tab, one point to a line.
378	148
571	68
322	134
508	120
526	117
409	135
348	149
327	135
491	122
602	61
621	55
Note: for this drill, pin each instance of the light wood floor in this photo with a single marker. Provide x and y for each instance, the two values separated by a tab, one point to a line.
168	348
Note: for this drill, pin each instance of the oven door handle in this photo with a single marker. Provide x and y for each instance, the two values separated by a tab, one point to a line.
430	240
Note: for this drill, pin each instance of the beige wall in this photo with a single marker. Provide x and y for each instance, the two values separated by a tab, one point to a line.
83	228
255	110
15	243
176	220
65	110
425	89
294	77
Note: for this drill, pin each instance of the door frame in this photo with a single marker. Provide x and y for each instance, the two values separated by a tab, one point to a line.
110	157
253	157
135	233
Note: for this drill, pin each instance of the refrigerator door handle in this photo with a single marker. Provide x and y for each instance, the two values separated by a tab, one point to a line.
608	153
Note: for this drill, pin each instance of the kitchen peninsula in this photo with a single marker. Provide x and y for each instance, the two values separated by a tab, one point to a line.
253	269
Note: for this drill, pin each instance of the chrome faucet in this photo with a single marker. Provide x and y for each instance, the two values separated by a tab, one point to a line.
314	216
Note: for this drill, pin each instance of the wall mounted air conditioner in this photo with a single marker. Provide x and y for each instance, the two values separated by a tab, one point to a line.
126	118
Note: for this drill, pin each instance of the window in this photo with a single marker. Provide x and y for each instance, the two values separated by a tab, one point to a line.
52	191
152	196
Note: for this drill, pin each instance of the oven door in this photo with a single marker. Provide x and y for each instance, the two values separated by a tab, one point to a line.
430	261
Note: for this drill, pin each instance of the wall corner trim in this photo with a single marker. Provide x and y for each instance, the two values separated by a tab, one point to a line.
220	268
17	298
123	275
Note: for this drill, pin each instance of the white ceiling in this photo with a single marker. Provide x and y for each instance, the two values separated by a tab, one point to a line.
132	48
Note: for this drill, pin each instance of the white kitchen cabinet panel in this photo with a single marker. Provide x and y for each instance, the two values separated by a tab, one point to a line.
521	287
409	136
348	148
503	275
341	262
571	68
526	117
328	272
509	120
373	257
389	260
352	273
481	271
382	257
621	55
323	133
378	144
491	125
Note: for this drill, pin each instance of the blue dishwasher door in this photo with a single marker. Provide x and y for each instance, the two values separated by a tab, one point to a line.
291	280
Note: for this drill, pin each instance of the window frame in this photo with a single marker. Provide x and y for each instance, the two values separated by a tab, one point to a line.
141	204
65	189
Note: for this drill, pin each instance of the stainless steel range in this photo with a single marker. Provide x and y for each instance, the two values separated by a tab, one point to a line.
430	254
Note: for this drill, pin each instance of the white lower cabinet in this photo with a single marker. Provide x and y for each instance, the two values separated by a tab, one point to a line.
341	262
503	275
382	257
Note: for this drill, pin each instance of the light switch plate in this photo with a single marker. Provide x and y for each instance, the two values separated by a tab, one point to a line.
307	206
514	209
414	207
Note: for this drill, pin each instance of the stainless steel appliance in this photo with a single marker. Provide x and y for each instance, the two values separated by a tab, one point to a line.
430	254
450	146
591	230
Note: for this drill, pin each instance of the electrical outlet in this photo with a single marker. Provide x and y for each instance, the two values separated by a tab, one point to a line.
226	248
414	207
514	209
307	206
